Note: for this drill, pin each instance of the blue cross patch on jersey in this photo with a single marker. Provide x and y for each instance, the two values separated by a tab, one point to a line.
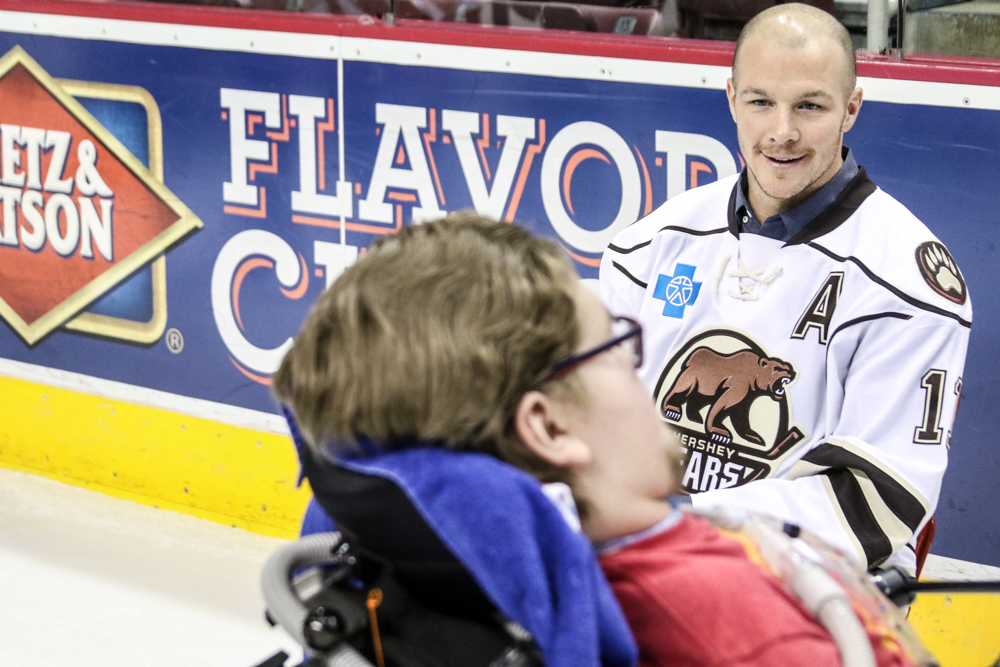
677	291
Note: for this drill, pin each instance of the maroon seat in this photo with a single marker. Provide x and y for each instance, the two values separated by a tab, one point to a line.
723	19
517	13
214	3
342	7
432	10
560	16
624	21
375	8
615	3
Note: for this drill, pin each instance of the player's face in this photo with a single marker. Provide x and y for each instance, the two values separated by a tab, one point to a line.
632	450
791	111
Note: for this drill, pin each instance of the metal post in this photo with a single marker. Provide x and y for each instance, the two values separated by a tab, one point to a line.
878	26
900	26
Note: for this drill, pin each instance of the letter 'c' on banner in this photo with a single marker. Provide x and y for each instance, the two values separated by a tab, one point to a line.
594	134
286	267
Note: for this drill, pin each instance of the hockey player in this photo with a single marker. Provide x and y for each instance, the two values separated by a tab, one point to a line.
806	334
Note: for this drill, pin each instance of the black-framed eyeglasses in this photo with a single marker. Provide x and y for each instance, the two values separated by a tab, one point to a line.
624	331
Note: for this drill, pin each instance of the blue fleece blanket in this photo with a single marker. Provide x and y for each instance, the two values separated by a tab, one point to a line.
497	522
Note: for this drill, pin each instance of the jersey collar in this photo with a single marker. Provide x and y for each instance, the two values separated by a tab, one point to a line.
829	218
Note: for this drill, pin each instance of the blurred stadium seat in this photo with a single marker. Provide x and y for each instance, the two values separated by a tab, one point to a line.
527	14
723	19
641	17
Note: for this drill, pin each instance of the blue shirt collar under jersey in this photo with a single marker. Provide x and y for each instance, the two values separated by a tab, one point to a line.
785	225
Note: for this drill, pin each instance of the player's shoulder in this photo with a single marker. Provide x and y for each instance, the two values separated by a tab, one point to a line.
697	211
893	247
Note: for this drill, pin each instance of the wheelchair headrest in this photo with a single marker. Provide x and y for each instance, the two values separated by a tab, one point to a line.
382	523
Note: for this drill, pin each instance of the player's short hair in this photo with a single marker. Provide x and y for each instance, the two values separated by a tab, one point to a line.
814	22
434	335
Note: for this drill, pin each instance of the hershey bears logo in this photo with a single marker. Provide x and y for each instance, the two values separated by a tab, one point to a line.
726	399
940	270
728	384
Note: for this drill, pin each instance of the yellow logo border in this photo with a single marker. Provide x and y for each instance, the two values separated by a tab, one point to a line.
104	325
72	305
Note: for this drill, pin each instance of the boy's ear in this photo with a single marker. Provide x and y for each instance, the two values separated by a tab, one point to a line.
544	425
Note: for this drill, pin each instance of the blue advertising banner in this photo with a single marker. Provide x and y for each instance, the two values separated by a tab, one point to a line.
276	164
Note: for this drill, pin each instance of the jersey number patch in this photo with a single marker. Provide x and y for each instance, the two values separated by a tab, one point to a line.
929	432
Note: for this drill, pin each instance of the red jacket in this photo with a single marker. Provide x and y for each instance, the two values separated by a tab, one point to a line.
693	596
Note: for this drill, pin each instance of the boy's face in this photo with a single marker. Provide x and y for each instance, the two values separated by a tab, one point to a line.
631	449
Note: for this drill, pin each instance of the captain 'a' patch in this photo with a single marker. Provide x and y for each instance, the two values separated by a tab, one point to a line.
819	313
940	270
726	399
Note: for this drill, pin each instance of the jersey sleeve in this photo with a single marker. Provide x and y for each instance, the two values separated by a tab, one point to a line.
623	282
893	388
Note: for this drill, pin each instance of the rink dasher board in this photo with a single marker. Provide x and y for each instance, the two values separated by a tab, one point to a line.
217	377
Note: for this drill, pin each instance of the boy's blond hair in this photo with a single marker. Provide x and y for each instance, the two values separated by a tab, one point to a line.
434	336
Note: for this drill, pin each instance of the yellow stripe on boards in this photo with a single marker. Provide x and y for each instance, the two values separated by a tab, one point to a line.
246	478
235	476
960	629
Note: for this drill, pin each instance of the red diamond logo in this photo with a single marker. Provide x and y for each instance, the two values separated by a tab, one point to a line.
79	212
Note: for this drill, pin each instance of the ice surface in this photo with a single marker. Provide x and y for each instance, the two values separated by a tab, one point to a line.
87	580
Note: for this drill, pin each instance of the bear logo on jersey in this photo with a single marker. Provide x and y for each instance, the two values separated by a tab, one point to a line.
940	270
726	399
728	384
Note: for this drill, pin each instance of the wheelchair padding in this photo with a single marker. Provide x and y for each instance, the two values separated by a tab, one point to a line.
496	521
384	525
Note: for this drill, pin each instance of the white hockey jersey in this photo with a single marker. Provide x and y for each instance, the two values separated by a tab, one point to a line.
826	370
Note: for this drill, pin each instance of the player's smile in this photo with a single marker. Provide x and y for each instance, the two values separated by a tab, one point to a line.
783	161
783	165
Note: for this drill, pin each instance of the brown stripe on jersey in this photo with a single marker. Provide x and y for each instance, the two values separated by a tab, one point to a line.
869	318
629	275
860	518
625	251
844	467
694	232
897	498
734	224
897	292
843	207
668	228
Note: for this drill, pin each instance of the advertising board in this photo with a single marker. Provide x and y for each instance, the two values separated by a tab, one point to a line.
175	195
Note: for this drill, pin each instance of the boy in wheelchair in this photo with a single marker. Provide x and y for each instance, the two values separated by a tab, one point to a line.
457	368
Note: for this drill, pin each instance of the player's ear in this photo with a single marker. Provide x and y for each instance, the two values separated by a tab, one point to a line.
543	424
853	108
731	95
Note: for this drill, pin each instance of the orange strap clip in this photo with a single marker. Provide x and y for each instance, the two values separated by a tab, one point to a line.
374	600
